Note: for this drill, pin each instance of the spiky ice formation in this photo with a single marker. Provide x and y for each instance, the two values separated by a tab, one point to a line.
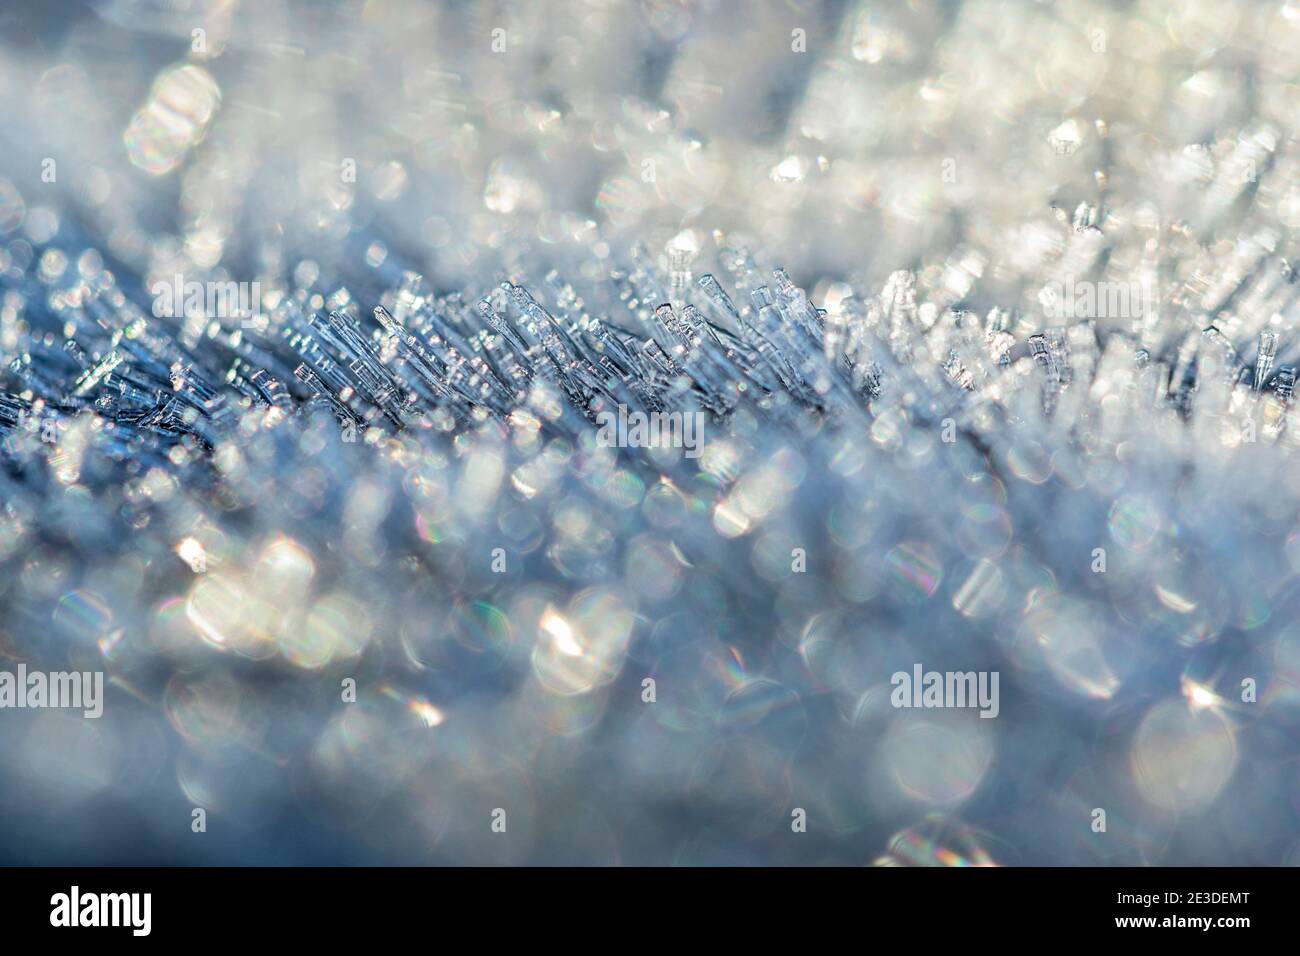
1025	410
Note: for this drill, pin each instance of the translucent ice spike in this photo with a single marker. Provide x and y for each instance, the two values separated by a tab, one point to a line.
787	347
998	340
1209	374
659	359
835	336
428	367
313	381
501	325
615	349
898	297
12	410
1285	383
796	304
270	388
781	375
1059	348
362	370
126	394
670	330
707	361
94	376
542	324
1051	354
718	296
758	364
1264	360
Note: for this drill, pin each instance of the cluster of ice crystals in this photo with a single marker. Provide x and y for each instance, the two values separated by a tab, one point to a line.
988	314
